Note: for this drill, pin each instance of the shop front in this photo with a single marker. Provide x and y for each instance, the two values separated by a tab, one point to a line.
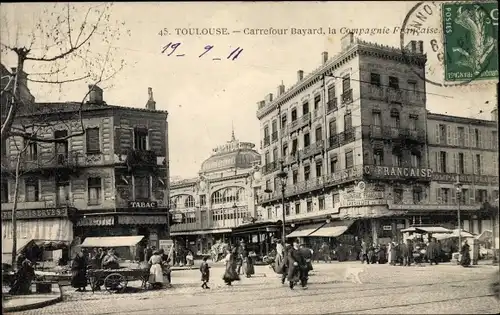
260	236
200	242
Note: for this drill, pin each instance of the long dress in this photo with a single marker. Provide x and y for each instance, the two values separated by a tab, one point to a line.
24	277
248	266
79	270
230	273
465	259
156	270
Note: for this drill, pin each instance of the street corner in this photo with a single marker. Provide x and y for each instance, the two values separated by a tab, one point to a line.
32	302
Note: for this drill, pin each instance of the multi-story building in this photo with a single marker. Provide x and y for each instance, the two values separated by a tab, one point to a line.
463	151
110	180
220	201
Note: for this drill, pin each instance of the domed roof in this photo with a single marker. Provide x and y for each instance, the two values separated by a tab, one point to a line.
233	154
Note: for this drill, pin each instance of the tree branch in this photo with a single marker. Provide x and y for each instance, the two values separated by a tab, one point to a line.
69	26
59	82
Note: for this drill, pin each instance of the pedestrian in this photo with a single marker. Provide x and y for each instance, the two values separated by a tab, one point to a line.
279	253
405	254
24	276
205	273
230	274
283	267
465	255
79	272
297	267
432	252
156	270
392	253
325	252
364	252
148	252
239	256
189	259
248	266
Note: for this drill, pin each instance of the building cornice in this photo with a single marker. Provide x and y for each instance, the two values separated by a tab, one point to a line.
463	120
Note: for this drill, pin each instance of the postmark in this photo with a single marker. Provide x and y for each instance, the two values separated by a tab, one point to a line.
427	22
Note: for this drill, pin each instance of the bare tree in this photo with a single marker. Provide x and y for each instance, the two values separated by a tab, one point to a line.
68	43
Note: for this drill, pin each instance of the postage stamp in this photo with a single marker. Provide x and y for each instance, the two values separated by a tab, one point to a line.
455	36
470	41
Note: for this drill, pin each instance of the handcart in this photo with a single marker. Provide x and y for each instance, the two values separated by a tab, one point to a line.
116	280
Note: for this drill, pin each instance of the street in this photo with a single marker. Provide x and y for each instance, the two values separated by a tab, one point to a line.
442	289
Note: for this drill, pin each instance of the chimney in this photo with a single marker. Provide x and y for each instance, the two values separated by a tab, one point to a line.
420	47
269	98
300	75
347	41
95	94
324	57
151	104
416	47
281	90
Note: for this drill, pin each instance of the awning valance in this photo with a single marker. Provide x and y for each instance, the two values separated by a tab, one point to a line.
112	241
427	229
333	229
305	230
200	232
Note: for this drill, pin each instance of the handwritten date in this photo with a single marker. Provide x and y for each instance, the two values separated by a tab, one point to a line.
172	47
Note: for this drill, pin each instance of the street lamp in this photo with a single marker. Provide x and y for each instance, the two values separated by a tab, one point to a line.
458	187
282	175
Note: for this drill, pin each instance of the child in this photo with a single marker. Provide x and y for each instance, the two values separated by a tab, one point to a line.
190	260
205	273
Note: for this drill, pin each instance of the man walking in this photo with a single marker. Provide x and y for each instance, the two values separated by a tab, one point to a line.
405	254
297	267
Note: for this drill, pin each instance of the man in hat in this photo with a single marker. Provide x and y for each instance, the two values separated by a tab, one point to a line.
297	266
239	256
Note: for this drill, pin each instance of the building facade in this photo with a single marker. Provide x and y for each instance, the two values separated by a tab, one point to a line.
110	180
222	198
352	138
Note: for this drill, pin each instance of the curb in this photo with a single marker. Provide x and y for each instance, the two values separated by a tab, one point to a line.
35	305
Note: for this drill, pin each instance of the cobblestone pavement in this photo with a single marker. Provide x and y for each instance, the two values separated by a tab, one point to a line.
442	289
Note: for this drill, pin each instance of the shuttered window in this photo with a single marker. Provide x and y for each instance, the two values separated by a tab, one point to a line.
93	144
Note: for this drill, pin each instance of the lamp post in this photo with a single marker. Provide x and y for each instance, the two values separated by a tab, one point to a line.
458	187
282	175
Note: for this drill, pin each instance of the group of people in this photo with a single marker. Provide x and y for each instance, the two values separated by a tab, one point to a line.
97	259
160	269
293	262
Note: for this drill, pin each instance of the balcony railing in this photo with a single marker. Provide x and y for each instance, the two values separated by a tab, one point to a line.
375	92
349	136
141	158
267	141
294	125
305	119
292	158
284	131
45	161
274	136
333	142
270	167
347	97
313	149
375	132
332	105
394	95
417	135
415	97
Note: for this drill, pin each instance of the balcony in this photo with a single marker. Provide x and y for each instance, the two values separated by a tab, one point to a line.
393	132
270	167
348	136
344	176
284	131
316	115
292	158
333	142
305	119
416	135
394	95
375	92
294	125
415	97
140	158
346	97
331	105
312	150
267	141
411	205
304	187
45	161
274	136
376	132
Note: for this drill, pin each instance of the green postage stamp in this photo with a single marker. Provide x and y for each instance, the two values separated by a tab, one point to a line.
470	40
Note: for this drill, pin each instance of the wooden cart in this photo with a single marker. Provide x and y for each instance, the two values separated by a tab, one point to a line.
116	280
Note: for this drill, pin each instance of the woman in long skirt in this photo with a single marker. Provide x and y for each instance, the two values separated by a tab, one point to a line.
465	259
156	271
79	272
230	273
248	266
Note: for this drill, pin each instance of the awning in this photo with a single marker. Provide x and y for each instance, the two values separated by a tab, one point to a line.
7	248
112	241
305	230
487	234
200	232
333	229
426	229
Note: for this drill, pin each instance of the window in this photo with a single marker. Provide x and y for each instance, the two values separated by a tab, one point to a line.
321	203
309	206
393	83
141	139
266	135
276	183
335	198
62	188
92	140
307	140
347	121
307	172
61	147
275	154
267	158
141	187
295	177
203	200
319	167
412	86
319	134
461	136
94	190
464	197
317	101
396	158
287	209
5	192
189	202
283	121
274	126
395	122
346	83
478	164
333	164
349	160
294	114
305	108
268	184
494	140
32	190
481	195
445	195
442	134
413	122
477	136
377	121
417	195
442	167
332	125
269	212
295	143
461	163
398	195
297	208
331	92
378	157
375	79
285	150
32	151
415	160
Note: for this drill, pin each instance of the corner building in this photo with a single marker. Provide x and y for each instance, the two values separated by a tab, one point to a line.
352	135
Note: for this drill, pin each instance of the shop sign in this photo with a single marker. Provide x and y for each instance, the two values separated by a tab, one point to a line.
387	228
142	220
143	204
345	175
359	198
398	172
360	203
400	226
464	178
96	221
36	214
178	218
166	245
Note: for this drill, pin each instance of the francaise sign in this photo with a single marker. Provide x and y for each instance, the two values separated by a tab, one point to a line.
142	204
401	172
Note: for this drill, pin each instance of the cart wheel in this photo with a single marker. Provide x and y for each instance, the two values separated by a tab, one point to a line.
115	282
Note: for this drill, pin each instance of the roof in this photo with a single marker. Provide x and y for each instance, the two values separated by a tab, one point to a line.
112	241
233	154
460	119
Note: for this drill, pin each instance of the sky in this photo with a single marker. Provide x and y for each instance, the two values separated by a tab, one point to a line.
206	97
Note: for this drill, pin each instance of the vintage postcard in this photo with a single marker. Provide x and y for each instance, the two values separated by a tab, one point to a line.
314	157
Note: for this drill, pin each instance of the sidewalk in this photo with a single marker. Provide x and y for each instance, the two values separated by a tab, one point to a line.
32	301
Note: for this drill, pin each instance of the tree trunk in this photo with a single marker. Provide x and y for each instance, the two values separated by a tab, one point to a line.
14	210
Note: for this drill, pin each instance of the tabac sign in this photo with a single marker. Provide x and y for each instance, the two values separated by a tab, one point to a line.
143	204
396	172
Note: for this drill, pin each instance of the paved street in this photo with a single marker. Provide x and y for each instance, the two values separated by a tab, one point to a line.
443	289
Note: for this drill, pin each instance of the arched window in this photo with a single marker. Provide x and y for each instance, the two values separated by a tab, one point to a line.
216	197
189	201
173	202
240	194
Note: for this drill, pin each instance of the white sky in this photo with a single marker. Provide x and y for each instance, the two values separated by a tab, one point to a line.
203	96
